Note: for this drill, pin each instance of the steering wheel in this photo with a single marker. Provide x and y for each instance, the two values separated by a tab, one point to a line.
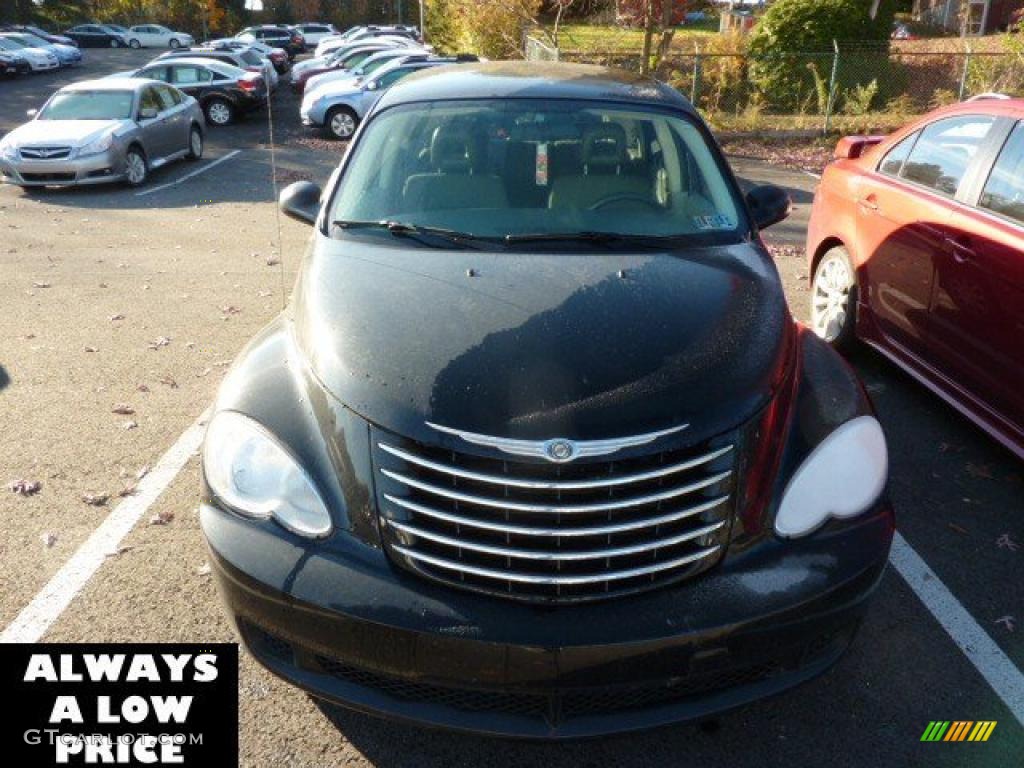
627	197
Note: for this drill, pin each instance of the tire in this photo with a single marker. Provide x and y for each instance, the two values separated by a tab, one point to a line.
135	44
113	43
195	143
341	123
135	175
834	299
174	43
219	111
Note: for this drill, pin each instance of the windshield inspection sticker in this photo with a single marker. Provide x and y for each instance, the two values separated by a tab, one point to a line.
542	165
120	704
714	221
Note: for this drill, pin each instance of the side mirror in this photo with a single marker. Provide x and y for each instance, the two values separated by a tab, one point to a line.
301	201
769	204
32	113
147	113
852	147
372	85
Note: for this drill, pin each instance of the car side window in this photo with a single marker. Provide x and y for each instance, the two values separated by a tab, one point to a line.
157	73
944	150
149	100
166	98
892	163
392	77
190	75
1004	190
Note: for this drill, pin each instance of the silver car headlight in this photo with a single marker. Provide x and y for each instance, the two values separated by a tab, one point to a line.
843	476
249	470
102	144
8	151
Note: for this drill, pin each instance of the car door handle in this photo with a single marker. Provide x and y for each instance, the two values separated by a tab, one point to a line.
869	203
961	247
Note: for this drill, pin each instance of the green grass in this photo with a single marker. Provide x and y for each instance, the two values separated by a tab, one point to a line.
601	38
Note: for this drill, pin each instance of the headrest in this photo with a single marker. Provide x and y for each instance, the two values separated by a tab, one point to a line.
451	150
604	147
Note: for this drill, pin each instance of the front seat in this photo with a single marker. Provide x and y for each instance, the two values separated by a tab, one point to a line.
604	155
455	182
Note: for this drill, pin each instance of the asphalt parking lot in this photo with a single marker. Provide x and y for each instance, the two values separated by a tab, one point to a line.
136	301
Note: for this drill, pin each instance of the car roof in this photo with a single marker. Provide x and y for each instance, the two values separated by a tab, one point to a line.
527	79
118	84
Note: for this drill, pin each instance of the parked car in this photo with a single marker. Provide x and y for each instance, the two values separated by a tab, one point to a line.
277	56
277	37
368	66
157	36
99	131
67	55
223	91
12	64
328	46
916	246
95	36
40	32
39	60
338	108
539	406
345	61
314	32
244	58
131	39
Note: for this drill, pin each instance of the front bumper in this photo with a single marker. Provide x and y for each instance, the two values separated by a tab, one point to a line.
348	628
100	168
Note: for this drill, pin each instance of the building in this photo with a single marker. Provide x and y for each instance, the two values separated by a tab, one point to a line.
968	17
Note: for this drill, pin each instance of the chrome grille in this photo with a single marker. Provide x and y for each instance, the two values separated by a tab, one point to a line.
529	529
45	153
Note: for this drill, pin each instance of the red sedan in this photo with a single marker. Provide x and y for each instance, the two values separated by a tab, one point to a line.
916	246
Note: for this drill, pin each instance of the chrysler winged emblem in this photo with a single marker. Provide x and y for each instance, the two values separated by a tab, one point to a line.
558	449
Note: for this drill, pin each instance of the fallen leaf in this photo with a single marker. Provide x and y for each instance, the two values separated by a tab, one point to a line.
130	424
161	518
230	309
123	409
48	539
142	388
203	570
159	341
91	349
1005	542
40	285
129	490
273	261
116	316
1006	621
96	499
143	471
25	487
169	381
117	552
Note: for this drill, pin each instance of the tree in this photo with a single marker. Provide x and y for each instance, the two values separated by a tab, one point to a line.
660	18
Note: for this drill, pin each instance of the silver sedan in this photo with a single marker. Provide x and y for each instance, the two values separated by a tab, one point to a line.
103	130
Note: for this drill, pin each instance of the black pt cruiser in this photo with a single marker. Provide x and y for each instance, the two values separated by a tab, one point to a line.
537	449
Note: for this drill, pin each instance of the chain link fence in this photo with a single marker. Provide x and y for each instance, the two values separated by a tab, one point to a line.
845	90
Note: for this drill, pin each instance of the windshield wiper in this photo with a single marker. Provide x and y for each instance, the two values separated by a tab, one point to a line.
426	235
599	238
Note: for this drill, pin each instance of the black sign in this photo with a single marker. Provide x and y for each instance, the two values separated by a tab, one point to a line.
120	704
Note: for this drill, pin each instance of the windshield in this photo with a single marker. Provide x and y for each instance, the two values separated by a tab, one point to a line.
29	40
10	45
89	105
514	167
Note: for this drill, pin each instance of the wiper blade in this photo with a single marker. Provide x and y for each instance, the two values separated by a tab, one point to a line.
589	237
415	231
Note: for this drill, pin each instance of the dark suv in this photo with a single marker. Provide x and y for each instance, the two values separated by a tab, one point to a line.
291	40
537	449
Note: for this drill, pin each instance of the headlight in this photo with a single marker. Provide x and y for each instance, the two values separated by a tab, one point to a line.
841	478
8	151
252	473
102	144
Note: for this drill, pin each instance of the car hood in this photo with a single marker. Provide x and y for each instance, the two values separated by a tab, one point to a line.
541	345
314	63
35	53
319	83
66	132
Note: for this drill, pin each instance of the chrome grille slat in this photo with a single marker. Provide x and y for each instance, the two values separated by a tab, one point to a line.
559	580
519	506
554	485
524	530
550	529
530	554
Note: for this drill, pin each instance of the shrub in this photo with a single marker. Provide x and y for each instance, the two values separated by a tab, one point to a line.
795	36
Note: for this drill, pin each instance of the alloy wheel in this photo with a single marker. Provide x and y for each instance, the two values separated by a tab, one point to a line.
135	167
195	144
219	113
830	302
343	125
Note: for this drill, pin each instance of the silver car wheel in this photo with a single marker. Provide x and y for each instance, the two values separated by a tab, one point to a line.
830	298
343	125
195	143
174	43
219	113
134	167
134	44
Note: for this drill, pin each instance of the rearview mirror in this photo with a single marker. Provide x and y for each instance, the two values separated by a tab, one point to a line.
769	204
32	112
301	201
147	113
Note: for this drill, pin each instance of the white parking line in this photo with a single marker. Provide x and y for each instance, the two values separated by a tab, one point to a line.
188	176
980	649
45	608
